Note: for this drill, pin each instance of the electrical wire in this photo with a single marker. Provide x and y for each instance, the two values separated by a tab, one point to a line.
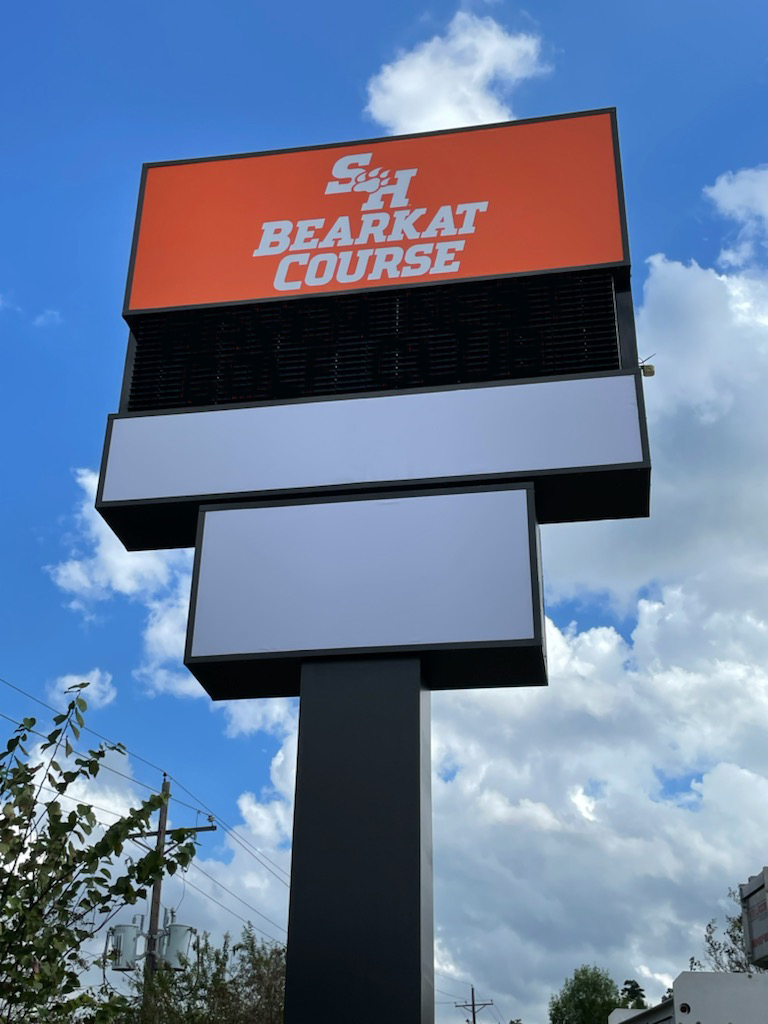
233	835
258	855
86	728
77	800
444	993
252	850
451	977
241	842
229	830
197	867
238	898
249	848
95	807
234	914
105	767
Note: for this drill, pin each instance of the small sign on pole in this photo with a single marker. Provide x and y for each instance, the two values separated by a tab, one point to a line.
754	918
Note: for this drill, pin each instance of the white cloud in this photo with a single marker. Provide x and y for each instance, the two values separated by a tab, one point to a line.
648	751
100	568
104	567
661	979
276	716
100	692
706	410
599	820
602	819
463	77
743	196
649	809
161	670
48	318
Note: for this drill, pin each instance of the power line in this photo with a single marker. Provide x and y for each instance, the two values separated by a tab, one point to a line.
238	839
241	842
474	1005
74	799
451	977
86	728
234	914
257	854
239	898
95	807
444	993
228	829
106	767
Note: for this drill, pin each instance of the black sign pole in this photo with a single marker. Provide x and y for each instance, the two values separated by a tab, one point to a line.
360	925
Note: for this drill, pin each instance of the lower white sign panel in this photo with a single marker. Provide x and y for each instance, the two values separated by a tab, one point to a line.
453	576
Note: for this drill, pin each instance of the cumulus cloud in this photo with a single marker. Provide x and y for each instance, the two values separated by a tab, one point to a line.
641	803
463	77
647	752
743	196
165	631
276	716
99	566
602	819
599	820
48	318
100	692
706	422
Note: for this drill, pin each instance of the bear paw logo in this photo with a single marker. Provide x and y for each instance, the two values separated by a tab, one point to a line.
371	181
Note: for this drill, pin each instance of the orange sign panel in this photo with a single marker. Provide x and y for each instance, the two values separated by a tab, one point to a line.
517	198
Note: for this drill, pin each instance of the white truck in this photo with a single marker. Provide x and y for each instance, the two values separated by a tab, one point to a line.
706	997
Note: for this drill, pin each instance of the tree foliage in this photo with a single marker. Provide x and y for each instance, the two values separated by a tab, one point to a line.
725	952
632	995
61	879
588	997
235	983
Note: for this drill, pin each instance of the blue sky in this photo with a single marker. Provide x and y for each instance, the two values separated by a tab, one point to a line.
658	636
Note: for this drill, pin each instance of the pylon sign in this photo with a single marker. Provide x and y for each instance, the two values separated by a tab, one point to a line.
358	379
338	349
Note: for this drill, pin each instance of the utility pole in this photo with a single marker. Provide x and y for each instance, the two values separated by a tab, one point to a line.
157	888
474	1006
151	962
154	909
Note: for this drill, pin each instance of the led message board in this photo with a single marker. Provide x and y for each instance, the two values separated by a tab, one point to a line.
516	198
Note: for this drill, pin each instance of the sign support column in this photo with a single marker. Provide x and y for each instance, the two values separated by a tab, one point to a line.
360	926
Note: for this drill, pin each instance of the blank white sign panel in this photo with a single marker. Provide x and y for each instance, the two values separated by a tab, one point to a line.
389	572
302	446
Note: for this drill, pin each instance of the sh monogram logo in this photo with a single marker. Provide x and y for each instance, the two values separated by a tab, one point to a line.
350	175
386	240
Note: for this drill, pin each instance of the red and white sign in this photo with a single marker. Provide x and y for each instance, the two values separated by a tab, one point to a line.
523	197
